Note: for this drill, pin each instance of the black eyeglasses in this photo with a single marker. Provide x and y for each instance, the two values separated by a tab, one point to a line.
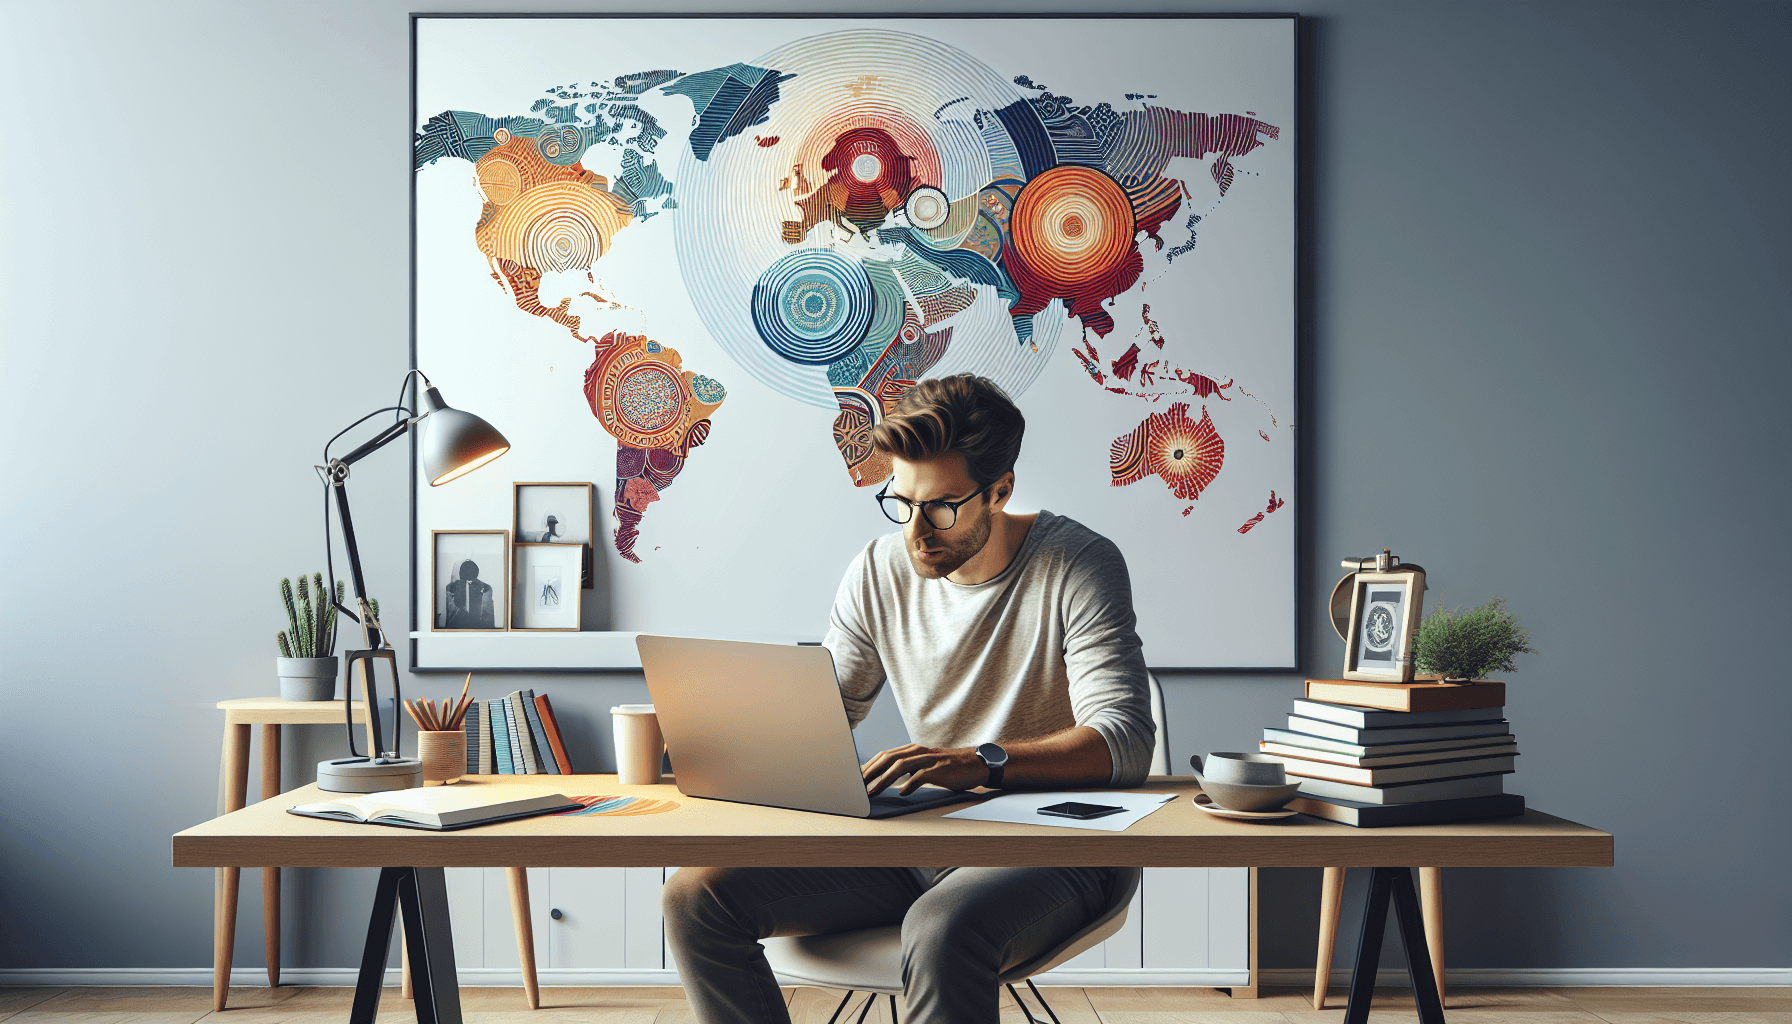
941	515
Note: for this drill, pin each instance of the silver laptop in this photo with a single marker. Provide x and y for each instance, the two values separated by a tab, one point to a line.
764	724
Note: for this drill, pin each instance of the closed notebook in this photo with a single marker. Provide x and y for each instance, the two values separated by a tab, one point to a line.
488	757
1428	812
1505	746
471	724
1321	743
1371	718
1389	775
1405	792
551	726
500	712
1408	734
440	808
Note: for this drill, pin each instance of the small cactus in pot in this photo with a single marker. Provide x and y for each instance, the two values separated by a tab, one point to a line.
307	661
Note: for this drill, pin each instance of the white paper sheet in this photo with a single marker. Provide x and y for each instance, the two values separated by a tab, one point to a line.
1023	808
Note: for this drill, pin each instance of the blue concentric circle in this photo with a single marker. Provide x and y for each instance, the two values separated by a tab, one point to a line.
813	306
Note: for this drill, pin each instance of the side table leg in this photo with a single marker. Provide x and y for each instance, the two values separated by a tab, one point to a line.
1431	902
525	934
236	789
270	877
1331	899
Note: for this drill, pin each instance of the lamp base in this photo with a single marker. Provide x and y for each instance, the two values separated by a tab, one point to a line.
362	775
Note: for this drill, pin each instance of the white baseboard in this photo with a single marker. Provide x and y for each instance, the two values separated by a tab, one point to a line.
1292	977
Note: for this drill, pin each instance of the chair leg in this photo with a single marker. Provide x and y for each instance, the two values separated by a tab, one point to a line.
893	1018
1431	903
1331	896
1047	1007
870	1001
843	1001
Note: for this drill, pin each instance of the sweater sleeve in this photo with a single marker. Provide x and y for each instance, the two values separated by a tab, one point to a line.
1106	662
856	661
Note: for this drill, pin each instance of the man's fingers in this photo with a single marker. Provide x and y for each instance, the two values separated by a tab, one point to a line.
883	759
900	767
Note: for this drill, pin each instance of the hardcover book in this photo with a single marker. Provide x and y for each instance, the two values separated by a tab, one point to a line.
1405	792
1428	812
1420	696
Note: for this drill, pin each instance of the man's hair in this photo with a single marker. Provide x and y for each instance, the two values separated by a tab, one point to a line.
963	413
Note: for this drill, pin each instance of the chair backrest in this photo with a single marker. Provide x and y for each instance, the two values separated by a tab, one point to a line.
1160	753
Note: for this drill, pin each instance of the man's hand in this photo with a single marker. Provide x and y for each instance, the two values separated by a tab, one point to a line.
956	770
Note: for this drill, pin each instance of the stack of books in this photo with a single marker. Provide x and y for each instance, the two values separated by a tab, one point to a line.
516	735
1369	754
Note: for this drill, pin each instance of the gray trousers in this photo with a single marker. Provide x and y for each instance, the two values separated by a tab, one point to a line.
959	930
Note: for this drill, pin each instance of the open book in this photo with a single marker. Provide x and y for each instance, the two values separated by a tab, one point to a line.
441	808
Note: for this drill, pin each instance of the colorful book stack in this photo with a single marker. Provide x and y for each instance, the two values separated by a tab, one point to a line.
1371	754
516	735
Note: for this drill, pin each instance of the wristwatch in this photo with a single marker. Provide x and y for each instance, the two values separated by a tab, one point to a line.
996	758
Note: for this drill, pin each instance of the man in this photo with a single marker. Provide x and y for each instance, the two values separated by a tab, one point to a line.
1008	641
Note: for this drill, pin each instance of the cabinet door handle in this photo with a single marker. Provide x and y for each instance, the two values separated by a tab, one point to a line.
555	914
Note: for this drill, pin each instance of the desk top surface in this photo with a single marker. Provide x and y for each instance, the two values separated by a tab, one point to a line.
716	833
274	711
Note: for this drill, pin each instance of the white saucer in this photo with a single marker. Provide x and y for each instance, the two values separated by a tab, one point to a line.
1205	802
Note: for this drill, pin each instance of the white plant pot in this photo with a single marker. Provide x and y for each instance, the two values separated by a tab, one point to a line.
306	679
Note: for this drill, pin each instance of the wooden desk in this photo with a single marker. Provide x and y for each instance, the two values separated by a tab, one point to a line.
712	833
233	789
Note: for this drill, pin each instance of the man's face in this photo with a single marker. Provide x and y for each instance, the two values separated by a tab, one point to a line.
935	553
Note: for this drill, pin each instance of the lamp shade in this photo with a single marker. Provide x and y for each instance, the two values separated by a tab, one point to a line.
455	443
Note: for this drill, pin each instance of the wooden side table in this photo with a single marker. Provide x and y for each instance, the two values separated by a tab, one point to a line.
270	713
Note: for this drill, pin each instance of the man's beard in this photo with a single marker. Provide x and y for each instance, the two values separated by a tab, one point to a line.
957	550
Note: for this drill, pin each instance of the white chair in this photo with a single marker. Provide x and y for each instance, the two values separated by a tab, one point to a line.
870	959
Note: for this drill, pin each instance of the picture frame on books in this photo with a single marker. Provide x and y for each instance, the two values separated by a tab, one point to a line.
1384	615
470	581
547	596
548	512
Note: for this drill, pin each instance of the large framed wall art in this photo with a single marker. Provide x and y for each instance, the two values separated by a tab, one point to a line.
696	259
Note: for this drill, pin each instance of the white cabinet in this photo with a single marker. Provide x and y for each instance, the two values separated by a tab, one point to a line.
609	920
1185	926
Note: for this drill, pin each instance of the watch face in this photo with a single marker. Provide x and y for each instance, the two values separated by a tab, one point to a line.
992	754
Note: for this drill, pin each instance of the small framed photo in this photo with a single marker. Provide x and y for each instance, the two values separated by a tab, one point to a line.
547	595
554	513
471	587
1384	615
551	513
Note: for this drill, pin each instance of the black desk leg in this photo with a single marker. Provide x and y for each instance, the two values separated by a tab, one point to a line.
424	897
1393	885
422	893
379	946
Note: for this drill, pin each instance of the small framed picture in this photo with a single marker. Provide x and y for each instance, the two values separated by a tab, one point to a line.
554	513
1384	614
471	590
547	593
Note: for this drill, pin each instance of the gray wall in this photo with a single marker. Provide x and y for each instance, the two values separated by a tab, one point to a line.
1545	354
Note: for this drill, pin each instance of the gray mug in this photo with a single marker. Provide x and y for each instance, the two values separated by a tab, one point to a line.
1244	769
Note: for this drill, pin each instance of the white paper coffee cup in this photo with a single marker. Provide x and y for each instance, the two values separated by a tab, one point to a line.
639	744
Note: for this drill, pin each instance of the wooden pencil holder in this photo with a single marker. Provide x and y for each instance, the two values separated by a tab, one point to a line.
444	755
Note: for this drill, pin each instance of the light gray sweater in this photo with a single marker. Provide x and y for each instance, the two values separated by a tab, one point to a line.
1046	645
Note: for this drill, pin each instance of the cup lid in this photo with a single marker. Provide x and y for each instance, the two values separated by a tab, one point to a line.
632	709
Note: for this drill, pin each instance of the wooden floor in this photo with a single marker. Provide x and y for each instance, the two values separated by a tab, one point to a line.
175	1005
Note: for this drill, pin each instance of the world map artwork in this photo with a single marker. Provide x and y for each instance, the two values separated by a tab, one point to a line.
850	209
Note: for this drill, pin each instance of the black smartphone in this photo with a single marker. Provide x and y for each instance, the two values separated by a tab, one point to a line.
1072	809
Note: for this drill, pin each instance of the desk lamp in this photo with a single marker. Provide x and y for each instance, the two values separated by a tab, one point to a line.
453	443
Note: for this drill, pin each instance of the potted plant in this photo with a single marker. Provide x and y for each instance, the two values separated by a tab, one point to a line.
1465	646
307	661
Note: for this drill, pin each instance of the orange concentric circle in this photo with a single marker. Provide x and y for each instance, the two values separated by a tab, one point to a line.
1072	225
